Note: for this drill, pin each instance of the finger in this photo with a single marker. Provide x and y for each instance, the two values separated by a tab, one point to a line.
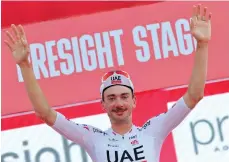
15	30
209	17
8	44
191	24
198	11
204	14
194	11
205	11
27	49
21	30
193	21
24	41
10	37
194	15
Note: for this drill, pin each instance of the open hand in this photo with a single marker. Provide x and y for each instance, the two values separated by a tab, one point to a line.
17	44
201	24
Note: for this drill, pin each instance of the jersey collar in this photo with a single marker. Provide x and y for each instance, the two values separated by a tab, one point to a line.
129	133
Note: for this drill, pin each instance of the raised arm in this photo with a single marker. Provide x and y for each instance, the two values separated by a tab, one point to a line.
19	47
201	30
163	124
78	133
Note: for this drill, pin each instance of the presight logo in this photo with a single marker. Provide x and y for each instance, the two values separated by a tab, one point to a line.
215	131
28	154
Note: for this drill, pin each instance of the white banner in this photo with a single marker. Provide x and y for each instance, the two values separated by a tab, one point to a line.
41	143
204	135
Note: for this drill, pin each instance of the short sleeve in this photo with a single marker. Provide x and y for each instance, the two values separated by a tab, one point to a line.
78	133
161	125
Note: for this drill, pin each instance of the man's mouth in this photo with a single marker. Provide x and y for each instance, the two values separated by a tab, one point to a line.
119	112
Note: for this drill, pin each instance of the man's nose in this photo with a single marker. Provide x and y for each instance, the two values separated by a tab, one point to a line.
119	102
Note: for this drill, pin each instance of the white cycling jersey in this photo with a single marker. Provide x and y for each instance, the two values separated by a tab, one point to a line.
140	144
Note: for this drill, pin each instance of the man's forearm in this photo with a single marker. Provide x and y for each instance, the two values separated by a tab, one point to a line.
36	96
199	74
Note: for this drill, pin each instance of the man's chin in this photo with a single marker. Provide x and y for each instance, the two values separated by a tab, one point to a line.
121	118
117	118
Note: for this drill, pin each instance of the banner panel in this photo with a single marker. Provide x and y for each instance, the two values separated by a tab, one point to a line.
204	135
46	145
68	54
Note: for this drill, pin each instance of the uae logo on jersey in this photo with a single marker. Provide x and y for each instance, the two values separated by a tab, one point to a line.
136	154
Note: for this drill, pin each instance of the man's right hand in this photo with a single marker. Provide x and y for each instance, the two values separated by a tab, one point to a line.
18	44
19	47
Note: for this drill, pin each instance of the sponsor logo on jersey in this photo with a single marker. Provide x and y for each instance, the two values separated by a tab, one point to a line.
112	139
146	125
135	155
110	145
133	137
139	129
116	80
134	142
95	130
105	134
85	127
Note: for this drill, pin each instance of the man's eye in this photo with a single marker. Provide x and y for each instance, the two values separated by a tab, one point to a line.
124	97
111	99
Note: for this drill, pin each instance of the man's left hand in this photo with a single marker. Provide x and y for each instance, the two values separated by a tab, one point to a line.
201	24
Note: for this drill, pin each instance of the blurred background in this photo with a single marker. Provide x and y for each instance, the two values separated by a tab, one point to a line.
73	43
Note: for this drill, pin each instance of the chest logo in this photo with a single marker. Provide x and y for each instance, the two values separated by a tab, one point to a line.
113	156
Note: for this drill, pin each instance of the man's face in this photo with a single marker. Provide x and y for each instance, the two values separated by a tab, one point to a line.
119	103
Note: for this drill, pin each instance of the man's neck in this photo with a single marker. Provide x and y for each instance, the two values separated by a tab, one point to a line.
122	128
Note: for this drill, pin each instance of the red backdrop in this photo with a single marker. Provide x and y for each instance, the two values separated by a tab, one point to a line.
30	12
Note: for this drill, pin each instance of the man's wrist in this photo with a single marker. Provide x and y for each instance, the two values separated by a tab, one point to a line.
201	44
25	64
